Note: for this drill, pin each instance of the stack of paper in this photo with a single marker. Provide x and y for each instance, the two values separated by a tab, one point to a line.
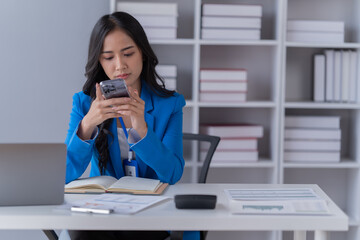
223	85
159	20
336	76
312	139
168	73
315	31
231	21
239	142
297	201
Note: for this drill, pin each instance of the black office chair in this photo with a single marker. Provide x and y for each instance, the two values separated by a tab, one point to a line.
214	141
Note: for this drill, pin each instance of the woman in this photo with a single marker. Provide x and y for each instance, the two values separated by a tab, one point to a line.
152	116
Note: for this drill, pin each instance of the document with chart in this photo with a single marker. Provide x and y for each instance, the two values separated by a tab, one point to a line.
296	201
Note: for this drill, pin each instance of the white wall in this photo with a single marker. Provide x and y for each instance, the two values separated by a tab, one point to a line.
43	51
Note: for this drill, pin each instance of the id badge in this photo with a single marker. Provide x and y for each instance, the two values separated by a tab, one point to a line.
131	168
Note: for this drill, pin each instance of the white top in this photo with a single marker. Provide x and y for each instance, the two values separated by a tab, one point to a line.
124	145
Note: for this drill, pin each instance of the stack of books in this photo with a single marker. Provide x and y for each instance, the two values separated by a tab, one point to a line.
336	76
159	20
315	31
231	21
168	73
312	139
239	142
223	85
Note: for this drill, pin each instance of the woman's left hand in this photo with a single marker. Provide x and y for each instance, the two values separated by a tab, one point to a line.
135	110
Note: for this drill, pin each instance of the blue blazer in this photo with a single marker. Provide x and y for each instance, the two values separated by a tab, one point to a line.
159	154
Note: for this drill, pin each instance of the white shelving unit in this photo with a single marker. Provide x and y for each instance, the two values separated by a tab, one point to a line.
280	84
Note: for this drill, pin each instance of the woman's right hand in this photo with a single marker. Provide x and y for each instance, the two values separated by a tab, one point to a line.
100	111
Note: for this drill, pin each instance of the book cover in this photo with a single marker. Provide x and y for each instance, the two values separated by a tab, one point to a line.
353	76
319	78
312	122
230	34
329	75
314	134
315	37
337	76
223	96
231	22
311	145
157	21
315	25
166	70
234	144
312	156
151	8
233	130
345	75
232	156
212	86
126	184
240	10
215	74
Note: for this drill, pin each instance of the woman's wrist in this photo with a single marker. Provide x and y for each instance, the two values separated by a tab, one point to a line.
85	130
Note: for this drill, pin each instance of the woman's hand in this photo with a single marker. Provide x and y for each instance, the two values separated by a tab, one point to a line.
134	108
100	110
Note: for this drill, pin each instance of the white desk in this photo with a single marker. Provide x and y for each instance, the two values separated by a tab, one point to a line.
166	217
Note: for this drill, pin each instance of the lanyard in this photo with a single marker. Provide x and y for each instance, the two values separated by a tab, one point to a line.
131	152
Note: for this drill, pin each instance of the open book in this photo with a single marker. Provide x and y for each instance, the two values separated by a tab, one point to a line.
101	184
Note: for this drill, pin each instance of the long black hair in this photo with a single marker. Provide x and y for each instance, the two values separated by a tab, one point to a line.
95	73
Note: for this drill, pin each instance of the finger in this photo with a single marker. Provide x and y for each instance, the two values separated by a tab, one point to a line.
99	95
135	95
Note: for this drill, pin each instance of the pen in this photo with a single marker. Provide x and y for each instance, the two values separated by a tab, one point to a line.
91	210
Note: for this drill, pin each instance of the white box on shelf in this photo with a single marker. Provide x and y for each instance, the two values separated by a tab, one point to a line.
157	20
315	37
216	74
166	70
314	134
150	8
312	156
160	33
312	145
230	22
319	78
312	122
223	86
223	96
233	130
235	144
170	83
240	10
230	34
232	156
315	25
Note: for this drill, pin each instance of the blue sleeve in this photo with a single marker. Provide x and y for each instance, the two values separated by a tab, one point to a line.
165	156
79	152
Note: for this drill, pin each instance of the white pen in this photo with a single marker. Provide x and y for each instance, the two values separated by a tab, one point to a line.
91	210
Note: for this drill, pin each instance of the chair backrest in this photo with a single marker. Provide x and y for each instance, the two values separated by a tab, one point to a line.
214	141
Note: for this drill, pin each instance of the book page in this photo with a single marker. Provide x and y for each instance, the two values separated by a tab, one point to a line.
102	182
136	183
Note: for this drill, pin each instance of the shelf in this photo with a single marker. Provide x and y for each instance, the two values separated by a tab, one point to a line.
239	42
353	223
262	163
322	45
346	163
250	104
323	105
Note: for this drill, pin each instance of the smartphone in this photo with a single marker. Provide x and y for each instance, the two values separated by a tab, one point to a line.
114	88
